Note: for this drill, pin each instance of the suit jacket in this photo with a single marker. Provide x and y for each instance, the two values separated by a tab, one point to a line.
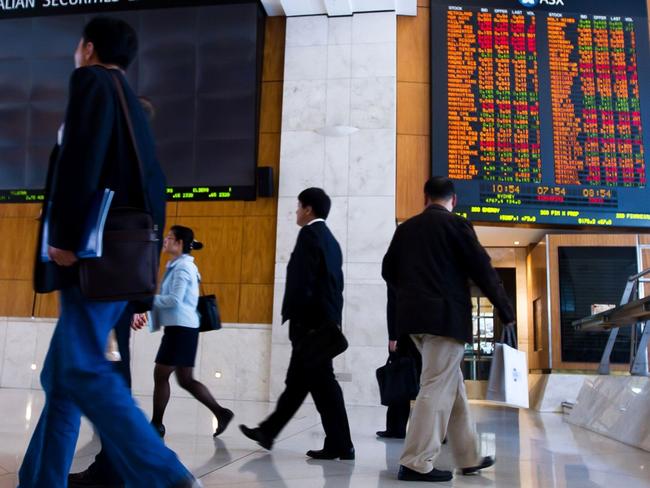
96	152
429	263
314	288
179	295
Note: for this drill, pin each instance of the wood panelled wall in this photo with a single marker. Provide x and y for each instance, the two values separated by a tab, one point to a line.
238	260
413	110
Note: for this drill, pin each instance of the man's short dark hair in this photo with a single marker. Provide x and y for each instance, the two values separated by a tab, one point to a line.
317	199
115	41
439	188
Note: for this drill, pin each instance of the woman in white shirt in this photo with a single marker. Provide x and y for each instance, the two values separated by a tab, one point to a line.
175	310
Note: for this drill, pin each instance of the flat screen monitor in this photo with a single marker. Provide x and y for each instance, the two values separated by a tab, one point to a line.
199	63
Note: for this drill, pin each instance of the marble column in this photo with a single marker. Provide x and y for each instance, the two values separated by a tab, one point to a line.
341	72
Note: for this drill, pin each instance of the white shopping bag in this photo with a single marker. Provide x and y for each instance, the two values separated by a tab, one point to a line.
508	382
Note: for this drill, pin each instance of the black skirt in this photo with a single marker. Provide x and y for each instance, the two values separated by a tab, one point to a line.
178	346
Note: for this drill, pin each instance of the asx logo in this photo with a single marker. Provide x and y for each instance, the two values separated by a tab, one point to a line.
535	3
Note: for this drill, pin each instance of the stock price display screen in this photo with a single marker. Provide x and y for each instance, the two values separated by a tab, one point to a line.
539	109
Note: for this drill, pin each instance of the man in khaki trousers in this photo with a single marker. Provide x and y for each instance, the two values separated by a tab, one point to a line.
429	263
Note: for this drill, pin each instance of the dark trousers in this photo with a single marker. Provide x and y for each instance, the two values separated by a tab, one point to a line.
318	380
397	416
102	467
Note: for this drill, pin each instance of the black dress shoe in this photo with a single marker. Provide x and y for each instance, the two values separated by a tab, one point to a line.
345	455
407	474
387	434
224	420
258	436
486	462
87	479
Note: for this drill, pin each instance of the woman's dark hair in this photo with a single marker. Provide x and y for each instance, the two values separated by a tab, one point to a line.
186	235
114	40
317	199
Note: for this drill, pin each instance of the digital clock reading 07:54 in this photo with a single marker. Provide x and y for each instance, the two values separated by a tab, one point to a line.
538	110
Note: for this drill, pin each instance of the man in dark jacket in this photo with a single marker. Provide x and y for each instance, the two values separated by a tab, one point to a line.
429	263
313	300
95	152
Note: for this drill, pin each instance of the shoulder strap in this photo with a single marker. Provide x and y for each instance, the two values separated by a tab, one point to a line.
129	124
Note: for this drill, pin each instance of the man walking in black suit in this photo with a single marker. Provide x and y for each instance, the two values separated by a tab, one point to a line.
429	263
313	300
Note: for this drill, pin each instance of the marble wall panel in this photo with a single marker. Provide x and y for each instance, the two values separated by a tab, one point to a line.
362	362
303	157
253	364
20	350
287	229
339	61
373	104
372	163
304	105
340	30
373	60
44	332
370	229
307	31
144	347
337	166
221	354
279	331
369	273
338	103
374	28
338	222
306	63
279	363
366	315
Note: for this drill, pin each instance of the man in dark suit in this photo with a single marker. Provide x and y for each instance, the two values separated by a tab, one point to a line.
313	299
429	263
95	152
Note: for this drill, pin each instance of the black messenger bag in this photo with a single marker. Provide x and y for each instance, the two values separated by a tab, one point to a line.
128	268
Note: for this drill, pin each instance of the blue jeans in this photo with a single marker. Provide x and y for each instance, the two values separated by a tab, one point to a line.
78	380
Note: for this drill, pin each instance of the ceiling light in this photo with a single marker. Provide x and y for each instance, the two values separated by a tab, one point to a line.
336	131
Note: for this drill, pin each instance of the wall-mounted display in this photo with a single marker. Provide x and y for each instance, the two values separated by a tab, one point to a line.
199	64
538	109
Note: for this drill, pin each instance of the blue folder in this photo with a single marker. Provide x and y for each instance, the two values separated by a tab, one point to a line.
91	245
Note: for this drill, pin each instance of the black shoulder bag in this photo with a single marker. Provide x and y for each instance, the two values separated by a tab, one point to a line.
128	268
209	316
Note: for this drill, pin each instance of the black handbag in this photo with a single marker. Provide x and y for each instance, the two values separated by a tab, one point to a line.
128	268
209	316
398	380
321	344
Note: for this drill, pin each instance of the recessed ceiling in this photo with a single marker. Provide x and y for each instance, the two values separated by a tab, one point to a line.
292	8
494	236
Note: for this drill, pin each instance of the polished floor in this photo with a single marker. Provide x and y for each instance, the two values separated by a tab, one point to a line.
532	449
